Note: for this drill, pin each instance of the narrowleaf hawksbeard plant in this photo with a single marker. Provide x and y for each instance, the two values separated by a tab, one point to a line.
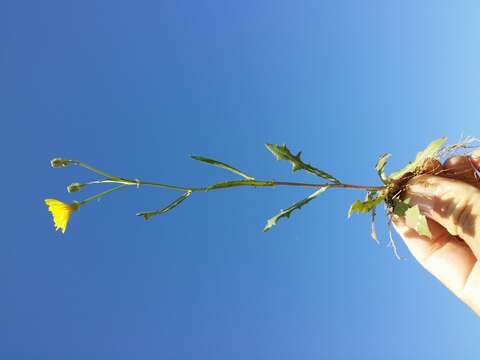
391	191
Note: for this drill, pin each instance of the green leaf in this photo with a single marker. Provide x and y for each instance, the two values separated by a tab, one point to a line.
173	204
430	151
283	153
221	165
365	206
288	211
401	206
380	166
417	221
372	195
235	183
374	230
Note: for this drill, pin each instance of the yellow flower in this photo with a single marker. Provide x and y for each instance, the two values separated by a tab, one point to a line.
60	212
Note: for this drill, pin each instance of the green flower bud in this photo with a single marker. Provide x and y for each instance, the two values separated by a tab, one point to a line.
59	162
74	187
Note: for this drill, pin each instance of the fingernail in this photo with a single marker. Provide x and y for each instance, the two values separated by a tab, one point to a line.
476	159
427	186
422	187
420	193
476	154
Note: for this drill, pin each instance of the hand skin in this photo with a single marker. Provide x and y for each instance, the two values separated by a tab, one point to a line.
451	202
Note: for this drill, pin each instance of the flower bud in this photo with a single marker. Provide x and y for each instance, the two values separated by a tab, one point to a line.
59	162
74	187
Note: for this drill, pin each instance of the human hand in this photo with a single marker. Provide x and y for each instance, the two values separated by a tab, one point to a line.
451	202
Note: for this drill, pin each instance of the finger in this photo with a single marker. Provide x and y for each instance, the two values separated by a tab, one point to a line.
432	166
452	203
447	258
461	168
475	159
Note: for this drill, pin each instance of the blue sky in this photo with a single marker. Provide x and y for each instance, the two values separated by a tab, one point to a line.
136	87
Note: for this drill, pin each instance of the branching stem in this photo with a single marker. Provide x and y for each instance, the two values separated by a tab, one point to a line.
123	182
236	183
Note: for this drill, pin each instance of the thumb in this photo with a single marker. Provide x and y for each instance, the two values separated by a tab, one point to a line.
452	203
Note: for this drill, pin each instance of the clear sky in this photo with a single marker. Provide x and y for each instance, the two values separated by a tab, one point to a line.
134	87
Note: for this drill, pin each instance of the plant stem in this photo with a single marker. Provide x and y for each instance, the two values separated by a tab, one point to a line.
227	184
99	195
236	183
95	170
112	179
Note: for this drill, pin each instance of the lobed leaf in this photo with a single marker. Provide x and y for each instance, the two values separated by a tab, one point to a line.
281	152
221	165
380	166
235	183
367	205
147	215
288	211
430	151
401	206
417	221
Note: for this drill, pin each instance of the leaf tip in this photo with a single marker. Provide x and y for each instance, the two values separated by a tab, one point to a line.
146	216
